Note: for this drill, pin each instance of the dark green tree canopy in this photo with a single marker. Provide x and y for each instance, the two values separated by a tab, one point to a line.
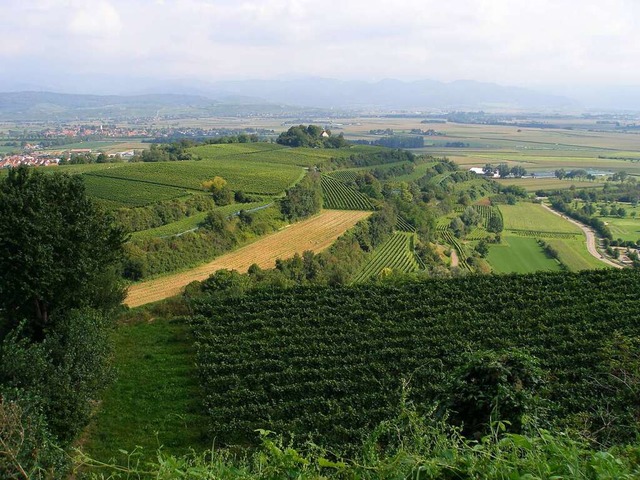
59	251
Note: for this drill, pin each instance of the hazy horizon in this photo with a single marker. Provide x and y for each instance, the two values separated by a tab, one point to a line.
580	49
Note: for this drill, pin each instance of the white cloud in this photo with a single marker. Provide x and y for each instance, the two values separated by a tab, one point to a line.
504	41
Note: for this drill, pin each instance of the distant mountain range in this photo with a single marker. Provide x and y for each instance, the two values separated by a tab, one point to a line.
189	99
390	94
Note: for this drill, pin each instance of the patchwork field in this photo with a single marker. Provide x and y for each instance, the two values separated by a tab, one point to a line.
316	234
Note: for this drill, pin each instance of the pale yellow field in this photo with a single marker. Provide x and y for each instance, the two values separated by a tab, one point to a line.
315	234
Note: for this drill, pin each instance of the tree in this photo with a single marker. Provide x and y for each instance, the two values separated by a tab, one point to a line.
470	217
219	189
518	171
560	173
504	170
59	251
495	224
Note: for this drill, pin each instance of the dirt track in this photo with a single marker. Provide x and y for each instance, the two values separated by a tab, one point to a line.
316	234
591	238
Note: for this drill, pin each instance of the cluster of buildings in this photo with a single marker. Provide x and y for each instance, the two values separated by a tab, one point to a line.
103	131
34	160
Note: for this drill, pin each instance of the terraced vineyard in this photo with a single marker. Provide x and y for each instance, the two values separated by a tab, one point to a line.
404	226
338	196
448	236
396	253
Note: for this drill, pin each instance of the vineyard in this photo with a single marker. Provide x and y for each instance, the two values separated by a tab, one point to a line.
543	234
396	253
404	226
329	363
448	236
337	195
486	212
345	176
128	193
248	176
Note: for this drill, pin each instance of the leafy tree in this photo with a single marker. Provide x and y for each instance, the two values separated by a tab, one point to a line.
59	251
560	173
504	170
470	217
482	248
494	386
304	199
518	171
495	224
220	191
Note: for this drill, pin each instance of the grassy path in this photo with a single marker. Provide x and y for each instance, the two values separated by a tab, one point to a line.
316	234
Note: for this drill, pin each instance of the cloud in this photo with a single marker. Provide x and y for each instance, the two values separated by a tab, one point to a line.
504	41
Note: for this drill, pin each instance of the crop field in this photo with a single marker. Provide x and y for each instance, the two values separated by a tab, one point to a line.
129	193
573	254
339	196
396	253
532	217
192	222
625	228
533	184
274	153
315	234
486	213
520	255
330	363
250	177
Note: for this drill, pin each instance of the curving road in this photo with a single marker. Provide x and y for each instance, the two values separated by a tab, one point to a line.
591	238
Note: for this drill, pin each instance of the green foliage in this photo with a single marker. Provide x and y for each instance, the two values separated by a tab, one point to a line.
339	196
249	176
304	199
311	136
407	446
220	233
59	251
395	254
494	386
329	362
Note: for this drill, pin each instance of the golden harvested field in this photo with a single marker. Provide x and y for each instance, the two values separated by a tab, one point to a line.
316	234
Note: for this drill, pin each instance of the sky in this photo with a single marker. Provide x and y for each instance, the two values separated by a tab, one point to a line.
532	43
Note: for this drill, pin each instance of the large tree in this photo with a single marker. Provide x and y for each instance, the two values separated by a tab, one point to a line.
59	251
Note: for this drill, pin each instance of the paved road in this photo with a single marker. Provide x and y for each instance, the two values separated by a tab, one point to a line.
591	238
